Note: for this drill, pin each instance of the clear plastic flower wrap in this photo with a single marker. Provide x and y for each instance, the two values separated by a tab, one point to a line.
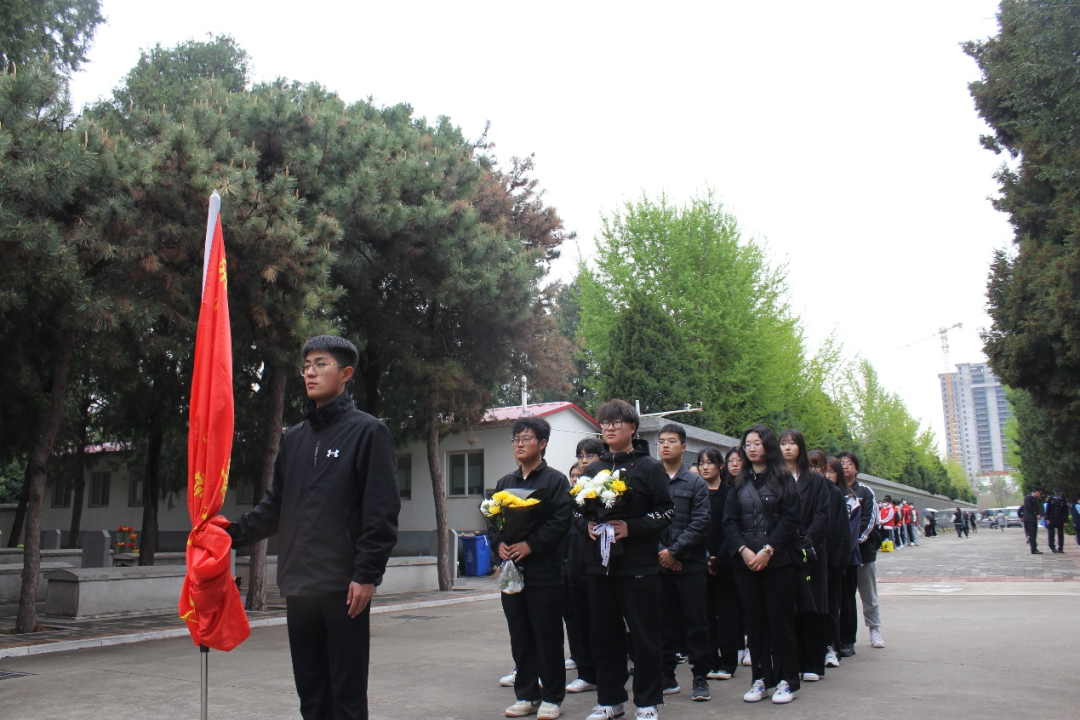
510	578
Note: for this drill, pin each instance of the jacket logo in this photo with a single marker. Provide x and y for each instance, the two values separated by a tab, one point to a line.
332	453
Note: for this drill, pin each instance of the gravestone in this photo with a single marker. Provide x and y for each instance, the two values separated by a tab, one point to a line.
95	552
50	539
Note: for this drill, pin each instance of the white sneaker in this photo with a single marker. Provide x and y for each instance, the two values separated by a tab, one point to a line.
570	664
508	680
548	711
746	657
606	712
810	677
718	675
579	685
647	713
831	660
783	695
875	638
756	692
522	708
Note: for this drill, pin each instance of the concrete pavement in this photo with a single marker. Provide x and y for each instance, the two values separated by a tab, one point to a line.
955	648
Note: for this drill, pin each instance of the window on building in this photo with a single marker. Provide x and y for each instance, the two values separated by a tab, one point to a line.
61	495
467	474
99	489
135	493
404	477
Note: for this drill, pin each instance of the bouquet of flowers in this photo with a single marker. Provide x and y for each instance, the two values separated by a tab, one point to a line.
598	496
513	514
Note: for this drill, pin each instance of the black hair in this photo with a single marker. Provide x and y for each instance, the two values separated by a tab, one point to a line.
715	457
673	429
570	475
802	462
725	474
776	475
341	349
850	456
540	427
617	409
817	457
589	446
841	482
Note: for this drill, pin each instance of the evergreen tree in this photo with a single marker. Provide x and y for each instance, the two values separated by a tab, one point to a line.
58	30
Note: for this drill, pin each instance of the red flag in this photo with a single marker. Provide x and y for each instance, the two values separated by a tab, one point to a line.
209	600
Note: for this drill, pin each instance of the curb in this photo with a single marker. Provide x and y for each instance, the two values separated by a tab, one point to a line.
129	638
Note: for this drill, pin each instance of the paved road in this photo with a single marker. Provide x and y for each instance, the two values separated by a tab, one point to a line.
955	649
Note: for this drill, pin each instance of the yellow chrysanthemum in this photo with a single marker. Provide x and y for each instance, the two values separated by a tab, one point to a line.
591	495
530	501
575	490
501	496
618	486
495	509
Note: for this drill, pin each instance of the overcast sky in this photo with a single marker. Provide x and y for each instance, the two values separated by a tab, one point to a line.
841	134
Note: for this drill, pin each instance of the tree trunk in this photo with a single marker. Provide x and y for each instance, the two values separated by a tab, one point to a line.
438	489
79	479
20	512
26	620
151	493
256	596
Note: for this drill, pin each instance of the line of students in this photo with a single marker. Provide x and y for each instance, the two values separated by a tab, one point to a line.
760	544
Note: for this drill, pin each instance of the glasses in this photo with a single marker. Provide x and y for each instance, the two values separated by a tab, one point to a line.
611	425
847	463
751	446
522	440
583	457
319	367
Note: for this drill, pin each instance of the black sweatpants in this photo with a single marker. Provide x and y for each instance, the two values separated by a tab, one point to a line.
682	608
810	628
534	618
580	643
330	654
724	614
849	611
635	600
1031	529
768	600
836	592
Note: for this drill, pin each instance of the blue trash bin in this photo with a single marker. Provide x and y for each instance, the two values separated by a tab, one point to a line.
477	555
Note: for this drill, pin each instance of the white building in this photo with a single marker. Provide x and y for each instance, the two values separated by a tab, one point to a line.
976	410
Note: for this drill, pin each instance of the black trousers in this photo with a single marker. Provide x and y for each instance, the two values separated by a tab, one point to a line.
330	654
682	608
534	618
849	611
836	591
580	644
618	602
1060	530
810	628
724	615
768	600
1032	531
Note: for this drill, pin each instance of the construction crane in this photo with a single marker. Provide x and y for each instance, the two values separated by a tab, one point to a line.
951	419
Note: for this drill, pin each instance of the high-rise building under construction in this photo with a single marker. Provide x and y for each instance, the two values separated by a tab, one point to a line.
975	414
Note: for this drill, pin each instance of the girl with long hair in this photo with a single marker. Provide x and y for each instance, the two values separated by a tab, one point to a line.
722	608
839	552
812	612
761	523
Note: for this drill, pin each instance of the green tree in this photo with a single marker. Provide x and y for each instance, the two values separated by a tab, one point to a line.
1029	94
60	30
1045	446
647	360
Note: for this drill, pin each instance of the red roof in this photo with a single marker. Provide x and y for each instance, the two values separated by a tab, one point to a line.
495	416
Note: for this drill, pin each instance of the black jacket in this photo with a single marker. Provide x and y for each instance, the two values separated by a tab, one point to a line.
333	501
745	525
839	540
814	522
685	537
648	512
543	565
1032	509
869	541
716	543
1057	510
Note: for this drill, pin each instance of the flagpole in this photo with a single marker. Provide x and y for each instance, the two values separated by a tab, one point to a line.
204	680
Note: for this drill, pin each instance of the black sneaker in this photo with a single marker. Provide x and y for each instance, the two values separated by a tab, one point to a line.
847	650
701	690
671	686
1036	552
681	658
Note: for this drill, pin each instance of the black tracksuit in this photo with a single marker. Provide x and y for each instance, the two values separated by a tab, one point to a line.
1057	510
839	555
334	504
812	617
1032	512
626	590
768	596
682	593
534	615
723	609
576	603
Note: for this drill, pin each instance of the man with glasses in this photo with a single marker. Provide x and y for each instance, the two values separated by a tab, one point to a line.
623	594
334	505
534	615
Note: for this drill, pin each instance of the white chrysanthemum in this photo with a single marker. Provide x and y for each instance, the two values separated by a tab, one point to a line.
608	496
